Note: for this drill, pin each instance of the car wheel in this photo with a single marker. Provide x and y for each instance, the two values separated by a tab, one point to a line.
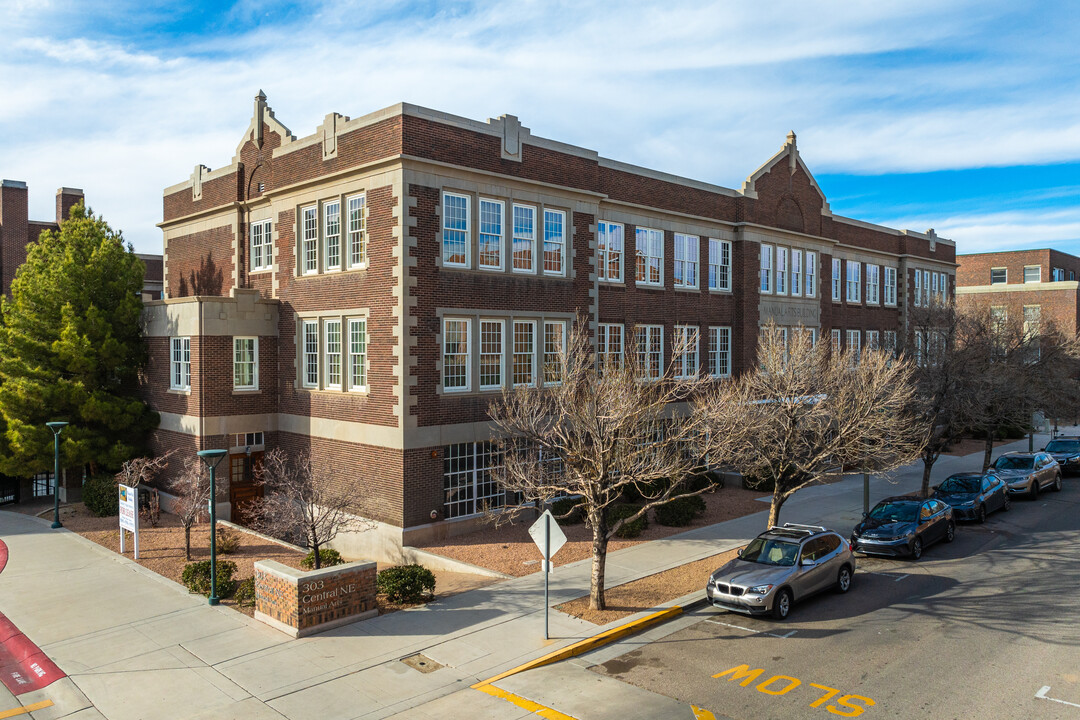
916	548
980	514
1007	503
843	580
782	605
1057	483
1034	492
950	529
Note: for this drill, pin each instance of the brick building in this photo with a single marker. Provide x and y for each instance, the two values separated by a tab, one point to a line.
364	292
1037	286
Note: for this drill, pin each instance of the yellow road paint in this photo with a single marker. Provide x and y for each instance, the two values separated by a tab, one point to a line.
27	709
524	703
702	713
846	705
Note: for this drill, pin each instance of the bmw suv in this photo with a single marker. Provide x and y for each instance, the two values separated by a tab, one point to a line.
781	566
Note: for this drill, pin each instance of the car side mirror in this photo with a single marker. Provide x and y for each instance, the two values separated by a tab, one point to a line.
936	487
865	515
807	562
1042	449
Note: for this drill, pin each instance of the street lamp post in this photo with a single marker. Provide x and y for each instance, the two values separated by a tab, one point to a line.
212	458
56	426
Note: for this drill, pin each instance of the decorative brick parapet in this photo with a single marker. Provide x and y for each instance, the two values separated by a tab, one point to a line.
302	602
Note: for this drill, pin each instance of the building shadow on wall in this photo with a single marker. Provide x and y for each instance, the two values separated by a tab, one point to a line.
204	282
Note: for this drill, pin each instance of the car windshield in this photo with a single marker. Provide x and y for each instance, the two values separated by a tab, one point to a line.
1006	462
895	512
1064	446
770	552
961	485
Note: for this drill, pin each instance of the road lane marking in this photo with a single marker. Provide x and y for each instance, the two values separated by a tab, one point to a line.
1042	695
846	705
750	630
41	706
701	713
901	578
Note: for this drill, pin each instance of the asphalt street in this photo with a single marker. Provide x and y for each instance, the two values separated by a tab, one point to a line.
984	627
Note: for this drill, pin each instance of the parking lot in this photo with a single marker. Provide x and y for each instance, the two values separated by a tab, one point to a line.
985	626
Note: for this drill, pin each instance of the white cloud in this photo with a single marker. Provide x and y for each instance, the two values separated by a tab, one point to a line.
1014	230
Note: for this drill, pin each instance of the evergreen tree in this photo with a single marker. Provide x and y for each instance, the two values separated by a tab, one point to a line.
71	349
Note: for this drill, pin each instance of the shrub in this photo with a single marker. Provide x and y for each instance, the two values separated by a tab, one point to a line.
629	529
406	583
245	592
228	540
570	505
101	496
196	577
681	511
328	557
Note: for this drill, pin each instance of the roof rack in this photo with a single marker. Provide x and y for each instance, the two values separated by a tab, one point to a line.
806	528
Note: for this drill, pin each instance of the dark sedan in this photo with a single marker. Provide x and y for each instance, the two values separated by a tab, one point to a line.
973	495
903	526
1067	453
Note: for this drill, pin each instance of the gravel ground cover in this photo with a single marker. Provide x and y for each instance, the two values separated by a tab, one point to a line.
648	592
510	550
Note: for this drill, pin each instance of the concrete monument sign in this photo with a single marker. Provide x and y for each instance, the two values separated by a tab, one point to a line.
302	602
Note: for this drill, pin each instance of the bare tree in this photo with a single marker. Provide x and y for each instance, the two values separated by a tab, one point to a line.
192	491
140	471
304	500
805	411
601	429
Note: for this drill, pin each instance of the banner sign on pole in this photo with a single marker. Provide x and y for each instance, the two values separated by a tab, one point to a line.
129	515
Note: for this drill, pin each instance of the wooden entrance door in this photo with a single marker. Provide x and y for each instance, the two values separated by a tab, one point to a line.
242	486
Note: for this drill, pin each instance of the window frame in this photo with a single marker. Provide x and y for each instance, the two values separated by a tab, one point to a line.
265	246
1032	267
722	265
328	356
834	339
326	235
918	288
810	274
501	324
889	294
837	279
445	229
180	367
254	385
467	355
645	262
531	212
1004	278
781	274
715	356
796	289
530	323
647	348
765	269
606	231
356	236
309	240
684	361
351	356
873	284
306	353
560	243
546	354
603	344
500	237
689	247
853	282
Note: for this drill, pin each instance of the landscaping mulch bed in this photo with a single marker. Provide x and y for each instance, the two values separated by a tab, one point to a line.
648	592
967	446
510	550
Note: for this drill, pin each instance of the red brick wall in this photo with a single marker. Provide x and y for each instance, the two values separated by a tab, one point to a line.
1059	307
203	258
974	269
316	597
14	230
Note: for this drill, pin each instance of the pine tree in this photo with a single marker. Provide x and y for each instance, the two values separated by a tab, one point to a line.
71	349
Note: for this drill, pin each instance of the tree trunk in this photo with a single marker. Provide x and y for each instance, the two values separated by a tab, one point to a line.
599	558
778	500
989	450
928	465
187	542
316	551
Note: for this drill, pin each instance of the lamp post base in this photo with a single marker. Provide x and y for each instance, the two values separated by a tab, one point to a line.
213	600
57	524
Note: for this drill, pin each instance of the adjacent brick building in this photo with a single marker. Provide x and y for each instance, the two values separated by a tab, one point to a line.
1037	286
365	292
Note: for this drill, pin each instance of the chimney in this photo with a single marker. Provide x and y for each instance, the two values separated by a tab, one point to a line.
14	229
66	198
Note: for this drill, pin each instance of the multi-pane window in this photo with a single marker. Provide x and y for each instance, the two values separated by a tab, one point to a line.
455	241
890	286
469	485
796	272
766	269
357	354
873	284
943	287
650	350
554	242
934	285
919	358
926	288
853	343
781	270
180	363
836	279
262	246
834	336
1032	318
872	339
357	230
524	237
811	273
685	340
491	232
332	347
609	345
42	485
1057	274
310	238
524	360
918	288
332	234
853	281
1032	273
650	256
686	260
245	363
554	340
310	342
719	264
1000	316
455	354
610	247
999	276
491	354
719	353
890	342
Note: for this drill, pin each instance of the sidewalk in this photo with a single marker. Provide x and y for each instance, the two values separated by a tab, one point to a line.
135	645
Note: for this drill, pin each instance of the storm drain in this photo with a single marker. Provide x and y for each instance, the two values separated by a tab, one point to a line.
421	662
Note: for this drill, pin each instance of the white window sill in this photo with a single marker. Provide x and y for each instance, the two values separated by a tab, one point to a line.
180	391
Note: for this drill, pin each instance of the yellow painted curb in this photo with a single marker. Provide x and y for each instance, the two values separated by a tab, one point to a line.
28	709
523	703
584	646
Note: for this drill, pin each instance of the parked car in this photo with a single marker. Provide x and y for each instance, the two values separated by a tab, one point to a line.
1028	473
903	525
1066	450
781	566
973	495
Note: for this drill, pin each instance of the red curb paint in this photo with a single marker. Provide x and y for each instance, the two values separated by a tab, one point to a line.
23	667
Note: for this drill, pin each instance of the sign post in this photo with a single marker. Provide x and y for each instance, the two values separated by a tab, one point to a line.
549	537
129	515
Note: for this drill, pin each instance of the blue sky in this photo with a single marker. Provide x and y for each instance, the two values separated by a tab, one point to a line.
960	115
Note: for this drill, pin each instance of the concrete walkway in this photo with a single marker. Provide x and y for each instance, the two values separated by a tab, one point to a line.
135	645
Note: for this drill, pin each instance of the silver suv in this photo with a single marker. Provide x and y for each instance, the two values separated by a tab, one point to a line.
780	566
